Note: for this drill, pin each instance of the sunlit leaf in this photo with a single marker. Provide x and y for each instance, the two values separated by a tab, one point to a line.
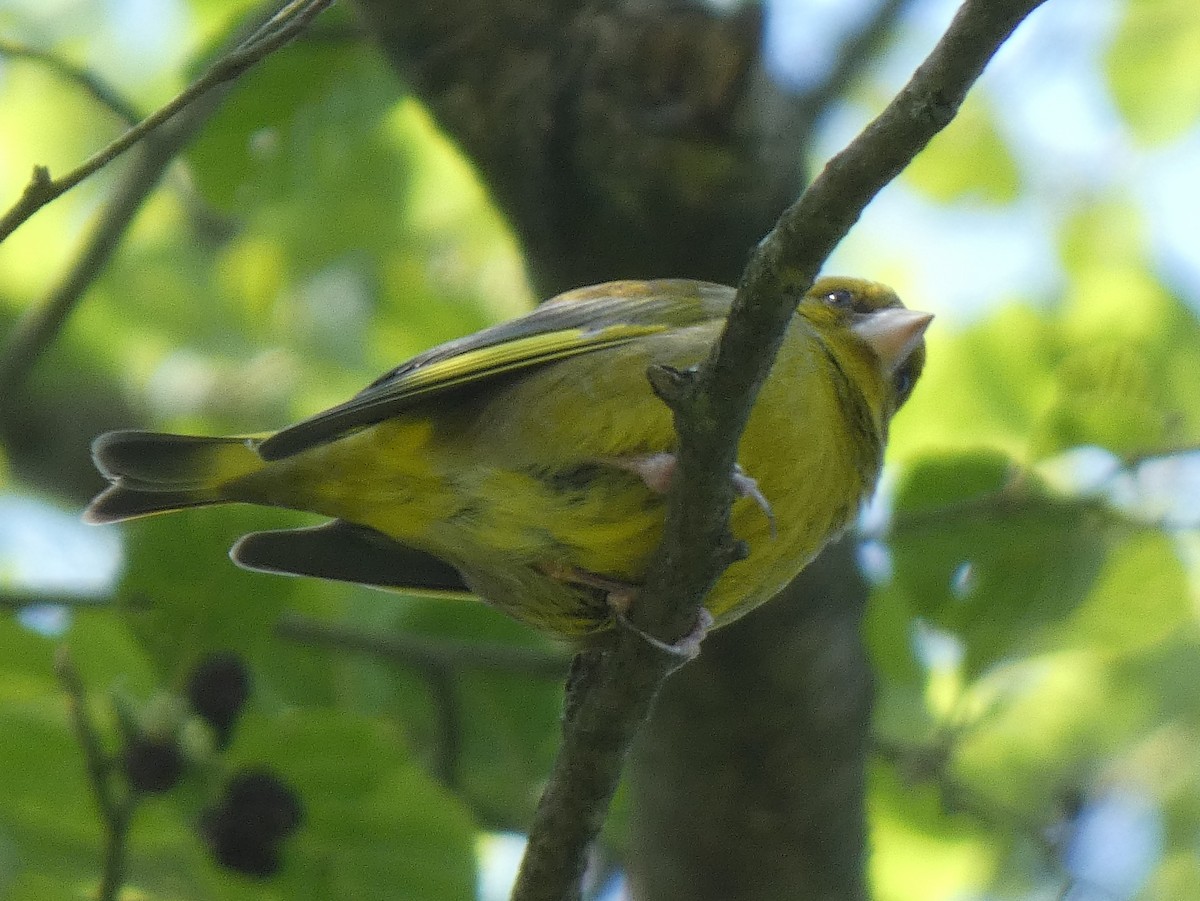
992	567
982	386
967	161
917	852
1153	70
1140	597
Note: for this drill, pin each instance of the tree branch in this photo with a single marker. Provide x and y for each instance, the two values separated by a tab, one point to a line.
613	689
277	31
857	51
37	328
116	811
103	92
424	653
163	134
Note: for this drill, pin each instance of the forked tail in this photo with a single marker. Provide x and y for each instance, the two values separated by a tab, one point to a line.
154	473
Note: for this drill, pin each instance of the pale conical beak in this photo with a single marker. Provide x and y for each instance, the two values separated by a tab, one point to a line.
893	334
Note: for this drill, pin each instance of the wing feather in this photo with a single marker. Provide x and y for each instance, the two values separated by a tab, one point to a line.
574	323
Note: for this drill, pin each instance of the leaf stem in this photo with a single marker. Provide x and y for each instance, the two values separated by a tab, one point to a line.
277	31
116	810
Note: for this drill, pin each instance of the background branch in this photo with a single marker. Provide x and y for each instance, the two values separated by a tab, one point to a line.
614	689
859	49
277	31
116	811
106	94
930	764
404	649
22	601
163	135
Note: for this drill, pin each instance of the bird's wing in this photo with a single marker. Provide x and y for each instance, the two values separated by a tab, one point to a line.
574	323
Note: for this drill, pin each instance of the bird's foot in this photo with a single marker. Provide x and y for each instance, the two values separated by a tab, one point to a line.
686	648
746	486
619	596
657	471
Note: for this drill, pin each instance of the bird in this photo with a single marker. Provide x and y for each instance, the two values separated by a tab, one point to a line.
528	464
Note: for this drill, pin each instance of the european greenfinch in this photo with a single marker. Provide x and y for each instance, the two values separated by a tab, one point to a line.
528	463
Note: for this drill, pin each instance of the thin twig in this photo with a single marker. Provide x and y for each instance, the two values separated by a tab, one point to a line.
420	652
613	692
931	764
36	330
103	92
281	28
116	811
37	599
198	209
858	50
176	124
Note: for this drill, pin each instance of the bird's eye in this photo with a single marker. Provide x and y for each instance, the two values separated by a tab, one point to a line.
841	298
903	382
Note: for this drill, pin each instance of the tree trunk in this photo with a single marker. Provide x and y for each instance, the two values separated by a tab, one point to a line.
748	781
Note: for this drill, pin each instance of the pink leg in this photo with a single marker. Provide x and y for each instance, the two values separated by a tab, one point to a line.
657	470
620	597
686	648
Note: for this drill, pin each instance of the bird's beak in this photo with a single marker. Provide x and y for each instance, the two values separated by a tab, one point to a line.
893	334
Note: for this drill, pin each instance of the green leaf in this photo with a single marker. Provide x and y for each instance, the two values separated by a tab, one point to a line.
1139	599
926	490
242	152
967	161
1132	345
994	567
1152	71
181	594
375	824
1106	395
509	721
1042	726
1177	877
929	487
1113	365
49	825
982	386
49	830
918	852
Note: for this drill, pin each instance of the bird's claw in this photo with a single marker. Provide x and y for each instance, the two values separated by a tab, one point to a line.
686	648
657	471
746	486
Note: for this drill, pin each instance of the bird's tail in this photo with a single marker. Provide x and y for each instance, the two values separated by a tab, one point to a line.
155	473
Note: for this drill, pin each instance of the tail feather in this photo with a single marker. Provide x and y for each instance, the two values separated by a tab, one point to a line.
117	503
155	473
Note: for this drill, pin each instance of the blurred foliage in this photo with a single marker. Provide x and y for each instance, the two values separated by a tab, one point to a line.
972	161
1034	621
1152	67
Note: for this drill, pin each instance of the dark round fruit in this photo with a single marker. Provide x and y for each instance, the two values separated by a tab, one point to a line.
244	829
152	765
217	689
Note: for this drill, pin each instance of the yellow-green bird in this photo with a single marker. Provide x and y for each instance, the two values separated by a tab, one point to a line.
527	463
